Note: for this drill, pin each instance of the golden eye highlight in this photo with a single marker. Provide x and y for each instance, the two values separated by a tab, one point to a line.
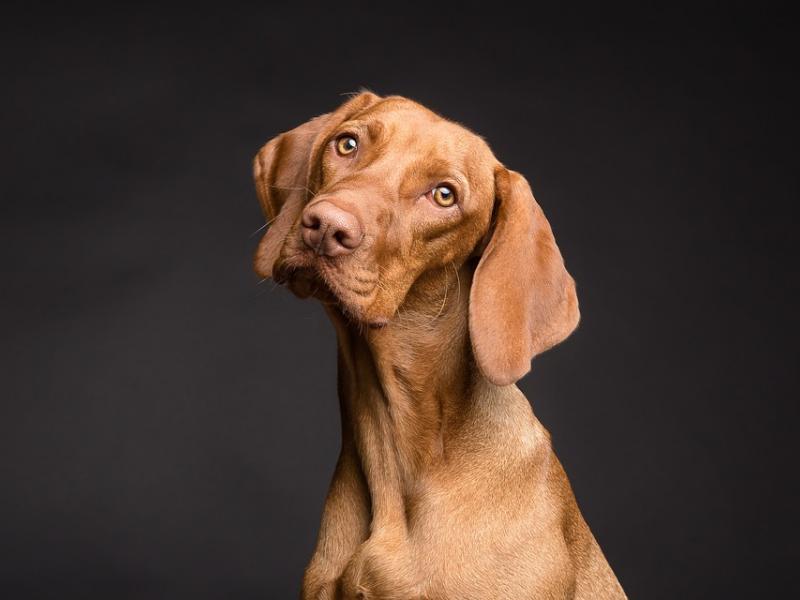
346	144
444	196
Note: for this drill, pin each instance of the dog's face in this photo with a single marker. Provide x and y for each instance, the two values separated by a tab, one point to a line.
397	191
367	200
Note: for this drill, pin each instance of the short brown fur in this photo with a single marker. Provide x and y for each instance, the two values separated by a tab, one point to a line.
447	486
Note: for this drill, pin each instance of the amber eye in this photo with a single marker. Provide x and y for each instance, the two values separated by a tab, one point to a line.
444	196
346	144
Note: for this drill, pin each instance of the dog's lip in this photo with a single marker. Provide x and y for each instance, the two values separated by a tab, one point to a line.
286	272
301	265
307	265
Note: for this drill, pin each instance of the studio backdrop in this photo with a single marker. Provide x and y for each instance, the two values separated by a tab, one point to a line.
169	425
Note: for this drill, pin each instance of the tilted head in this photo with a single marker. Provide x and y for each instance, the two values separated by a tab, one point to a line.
365	201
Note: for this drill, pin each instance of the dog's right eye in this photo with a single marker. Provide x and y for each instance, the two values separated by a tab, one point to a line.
346	144
444	196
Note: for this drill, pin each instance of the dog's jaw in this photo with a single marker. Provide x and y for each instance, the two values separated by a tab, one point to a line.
308	275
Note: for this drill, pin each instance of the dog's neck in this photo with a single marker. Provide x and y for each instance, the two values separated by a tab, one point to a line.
402	387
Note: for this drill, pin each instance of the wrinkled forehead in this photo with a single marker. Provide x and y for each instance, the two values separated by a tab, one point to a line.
416	134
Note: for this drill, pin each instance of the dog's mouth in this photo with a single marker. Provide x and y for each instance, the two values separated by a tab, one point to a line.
303	281
353	293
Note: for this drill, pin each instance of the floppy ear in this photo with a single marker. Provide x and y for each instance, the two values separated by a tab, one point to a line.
282	170
522	300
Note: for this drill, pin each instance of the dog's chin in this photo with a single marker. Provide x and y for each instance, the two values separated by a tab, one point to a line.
306	281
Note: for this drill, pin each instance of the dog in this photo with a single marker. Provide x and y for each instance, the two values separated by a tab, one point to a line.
443	280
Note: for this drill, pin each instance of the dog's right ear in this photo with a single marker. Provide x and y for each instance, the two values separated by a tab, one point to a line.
282	171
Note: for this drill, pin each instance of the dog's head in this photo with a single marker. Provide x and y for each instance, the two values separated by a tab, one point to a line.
365	201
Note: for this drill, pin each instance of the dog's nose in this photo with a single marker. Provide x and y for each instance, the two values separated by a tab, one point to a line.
330	230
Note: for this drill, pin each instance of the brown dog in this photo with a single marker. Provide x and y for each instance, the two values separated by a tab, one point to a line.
443	280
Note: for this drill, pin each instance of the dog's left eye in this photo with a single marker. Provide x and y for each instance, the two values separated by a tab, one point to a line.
444	196
346	144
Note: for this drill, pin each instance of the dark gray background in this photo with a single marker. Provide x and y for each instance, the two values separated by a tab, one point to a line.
168	427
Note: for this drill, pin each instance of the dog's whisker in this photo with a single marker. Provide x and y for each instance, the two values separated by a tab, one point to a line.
302	188
285	188
267	224
444	300
458	283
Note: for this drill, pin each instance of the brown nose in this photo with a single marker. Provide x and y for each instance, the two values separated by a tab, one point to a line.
329	230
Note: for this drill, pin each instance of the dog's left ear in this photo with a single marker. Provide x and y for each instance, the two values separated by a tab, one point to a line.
282	171
522	300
